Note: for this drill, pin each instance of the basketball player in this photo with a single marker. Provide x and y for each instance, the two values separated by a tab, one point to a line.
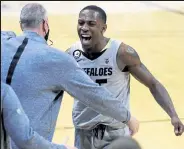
110	62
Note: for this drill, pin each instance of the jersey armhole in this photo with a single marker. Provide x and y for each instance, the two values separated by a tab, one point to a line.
115	52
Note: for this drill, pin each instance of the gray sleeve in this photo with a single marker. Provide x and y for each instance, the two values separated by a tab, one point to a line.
79	85
18	127
5	35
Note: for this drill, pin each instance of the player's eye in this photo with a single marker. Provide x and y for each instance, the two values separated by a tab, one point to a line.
91	23
81	22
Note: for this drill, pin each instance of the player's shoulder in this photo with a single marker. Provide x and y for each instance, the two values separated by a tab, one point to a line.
125	51
118	44
75	46
116	41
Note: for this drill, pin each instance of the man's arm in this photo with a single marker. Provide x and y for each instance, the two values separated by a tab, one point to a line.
131	121
79	85
129	57
18	127
5	35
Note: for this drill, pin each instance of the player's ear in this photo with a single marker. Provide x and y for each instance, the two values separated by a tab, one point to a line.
104	28
20	25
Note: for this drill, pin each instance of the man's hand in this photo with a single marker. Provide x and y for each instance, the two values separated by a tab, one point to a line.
178	126
133	125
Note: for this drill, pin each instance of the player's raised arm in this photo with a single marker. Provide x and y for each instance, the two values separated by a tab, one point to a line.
129	57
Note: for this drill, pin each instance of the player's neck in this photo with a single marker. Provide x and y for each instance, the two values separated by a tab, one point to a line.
99	47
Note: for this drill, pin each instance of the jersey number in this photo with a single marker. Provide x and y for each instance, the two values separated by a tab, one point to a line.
101	81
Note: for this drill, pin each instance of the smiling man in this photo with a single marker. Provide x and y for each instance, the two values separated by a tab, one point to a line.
110	62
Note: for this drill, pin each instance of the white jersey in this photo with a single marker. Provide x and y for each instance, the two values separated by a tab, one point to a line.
102	70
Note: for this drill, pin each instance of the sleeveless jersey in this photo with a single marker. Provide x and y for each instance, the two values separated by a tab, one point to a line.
104	71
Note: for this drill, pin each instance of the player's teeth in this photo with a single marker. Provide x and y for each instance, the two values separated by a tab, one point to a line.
85	36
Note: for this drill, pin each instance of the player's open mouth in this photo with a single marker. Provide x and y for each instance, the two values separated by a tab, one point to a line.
86	38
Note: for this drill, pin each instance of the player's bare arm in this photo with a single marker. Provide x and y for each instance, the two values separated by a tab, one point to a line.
129	57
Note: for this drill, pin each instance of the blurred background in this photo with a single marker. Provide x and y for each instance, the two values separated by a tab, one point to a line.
155	29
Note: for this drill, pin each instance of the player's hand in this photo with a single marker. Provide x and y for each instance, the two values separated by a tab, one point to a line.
69	147
178	126
133	125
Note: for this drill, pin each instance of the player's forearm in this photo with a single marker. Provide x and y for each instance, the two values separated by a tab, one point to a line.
163	99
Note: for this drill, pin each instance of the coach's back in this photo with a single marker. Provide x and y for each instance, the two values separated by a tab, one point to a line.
33	80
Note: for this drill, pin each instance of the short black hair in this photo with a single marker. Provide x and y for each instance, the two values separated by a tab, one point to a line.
97	9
